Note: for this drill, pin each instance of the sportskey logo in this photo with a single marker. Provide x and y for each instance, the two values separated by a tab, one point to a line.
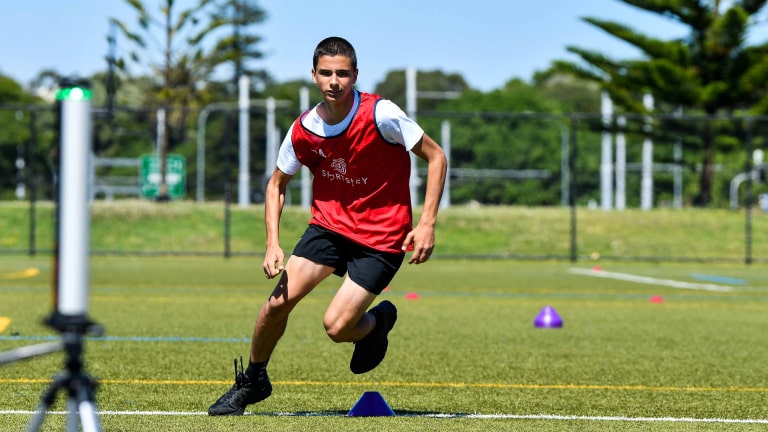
339	165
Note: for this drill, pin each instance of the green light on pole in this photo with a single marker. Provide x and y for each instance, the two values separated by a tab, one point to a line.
74	94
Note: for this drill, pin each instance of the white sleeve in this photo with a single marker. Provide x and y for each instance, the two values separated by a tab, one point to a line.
396	126
287	161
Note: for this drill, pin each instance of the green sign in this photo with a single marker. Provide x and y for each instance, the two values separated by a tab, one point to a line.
175	175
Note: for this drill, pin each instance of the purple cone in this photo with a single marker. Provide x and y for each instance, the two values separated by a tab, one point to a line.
548	318
371	404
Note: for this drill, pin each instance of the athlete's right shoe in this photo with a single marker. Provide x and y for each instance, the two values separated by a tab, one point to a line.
242	393
371	349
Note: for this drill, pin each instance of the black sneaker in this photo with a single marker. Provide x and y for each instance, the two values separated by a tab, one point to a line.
370	350
242	393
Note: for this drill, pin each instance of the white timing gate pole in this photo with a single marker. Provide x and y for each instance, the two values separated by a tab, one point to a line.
74	214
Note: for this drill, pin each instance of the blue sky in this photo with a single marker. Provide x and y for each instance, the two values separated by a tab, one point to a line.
488	42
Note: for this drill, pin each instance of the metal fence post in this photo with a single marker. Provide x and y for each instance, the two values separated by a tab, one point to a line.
747	124
572	186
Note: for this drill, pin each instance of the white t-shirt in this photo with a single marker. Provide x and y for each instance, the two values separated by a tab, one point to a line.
394	125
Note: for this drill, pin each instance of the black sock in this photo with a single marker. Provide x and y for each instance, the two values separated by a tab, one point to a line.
256	370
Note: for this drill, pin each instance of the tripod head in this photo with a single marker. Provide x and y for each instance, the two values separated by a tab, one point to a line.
79	324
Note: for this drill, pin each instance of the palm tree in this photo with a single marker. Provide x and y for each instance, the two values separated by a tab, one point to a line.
711	71
172	46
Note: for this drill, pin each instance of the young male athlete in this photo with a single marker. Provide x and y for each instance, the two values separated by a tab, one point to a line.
357	147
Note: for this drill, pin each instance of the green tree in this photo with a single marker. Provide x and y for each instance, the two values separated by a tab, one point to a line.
240	48
574	95
711	71
174	46
513	130
179	69
14	134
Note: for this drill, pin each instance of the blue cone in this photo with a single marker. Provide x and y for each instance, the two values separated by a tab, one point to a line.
548	318
371	404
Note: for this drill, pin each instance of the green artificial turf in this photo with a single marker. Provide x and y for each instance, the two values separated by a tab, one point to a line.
464	355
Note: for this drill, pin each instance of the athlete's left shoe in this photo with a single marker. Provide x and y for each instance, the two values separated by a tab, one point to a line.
371	349
242	393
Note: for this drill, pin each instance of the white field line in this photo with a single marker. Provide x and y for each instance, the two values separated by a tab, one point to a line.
431	415
651	281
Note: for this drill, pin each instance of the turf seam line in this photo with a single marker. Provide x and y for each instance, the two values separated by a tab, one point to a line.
650	280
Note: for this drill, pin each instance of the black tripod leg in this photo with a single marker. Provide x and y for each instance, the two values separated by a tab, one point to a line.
86	404
46	400
72	420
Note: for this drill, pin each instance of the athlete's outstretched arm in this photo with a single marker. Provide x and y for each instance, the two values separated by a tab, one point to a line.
422	237
274	257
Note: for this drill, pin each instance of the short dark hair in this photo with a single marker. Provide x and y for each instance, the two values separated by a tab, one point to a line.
333	46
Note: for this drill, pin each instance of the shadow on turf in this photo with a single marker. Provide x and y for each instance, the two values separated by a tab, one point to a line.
345	413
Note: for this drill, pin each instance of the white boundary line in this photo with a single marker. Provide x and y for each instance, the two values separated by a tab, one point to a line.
432	415
651	281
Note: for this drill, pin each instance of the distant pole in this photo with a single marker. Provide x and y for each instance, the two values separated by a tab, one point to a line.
606	163
445	141
306	181
160	131
244	178
646	182
31	179
677	201
410	106
201	118
162	155
573	189
621	164
565	176
271	153
757	159
410	92
111	61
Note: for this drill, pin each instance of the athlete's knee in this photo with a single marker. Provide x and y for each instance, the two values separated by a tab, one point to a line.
335	331
339	330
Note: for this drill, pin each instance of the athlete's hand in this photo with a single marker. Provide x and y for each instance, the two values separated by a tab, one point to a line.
422	240
273	261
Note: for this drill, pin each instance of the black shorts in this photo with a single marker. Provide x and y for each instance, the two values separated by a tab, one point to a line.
369	268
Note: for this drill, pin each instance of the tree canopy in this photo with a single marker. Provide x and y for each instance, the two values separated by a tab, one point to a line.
713	70
188	59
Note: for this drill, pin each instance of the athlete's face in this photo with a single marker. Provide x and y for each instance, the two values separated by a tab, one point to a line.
334	77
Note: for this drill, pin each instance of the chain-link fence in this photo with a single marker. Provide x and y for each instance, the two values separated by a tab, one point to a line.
578	163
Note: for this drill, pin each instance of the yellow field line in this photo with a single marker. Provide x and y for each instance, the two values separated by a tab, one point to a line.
424	384
28	273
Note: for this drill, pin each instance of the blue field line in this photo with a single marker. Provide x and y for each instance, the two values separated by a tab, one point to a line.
132	339
719	279
25	289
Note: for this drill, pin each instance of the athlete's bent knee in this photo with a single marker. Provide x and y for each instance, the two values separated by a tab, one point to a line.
338	332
